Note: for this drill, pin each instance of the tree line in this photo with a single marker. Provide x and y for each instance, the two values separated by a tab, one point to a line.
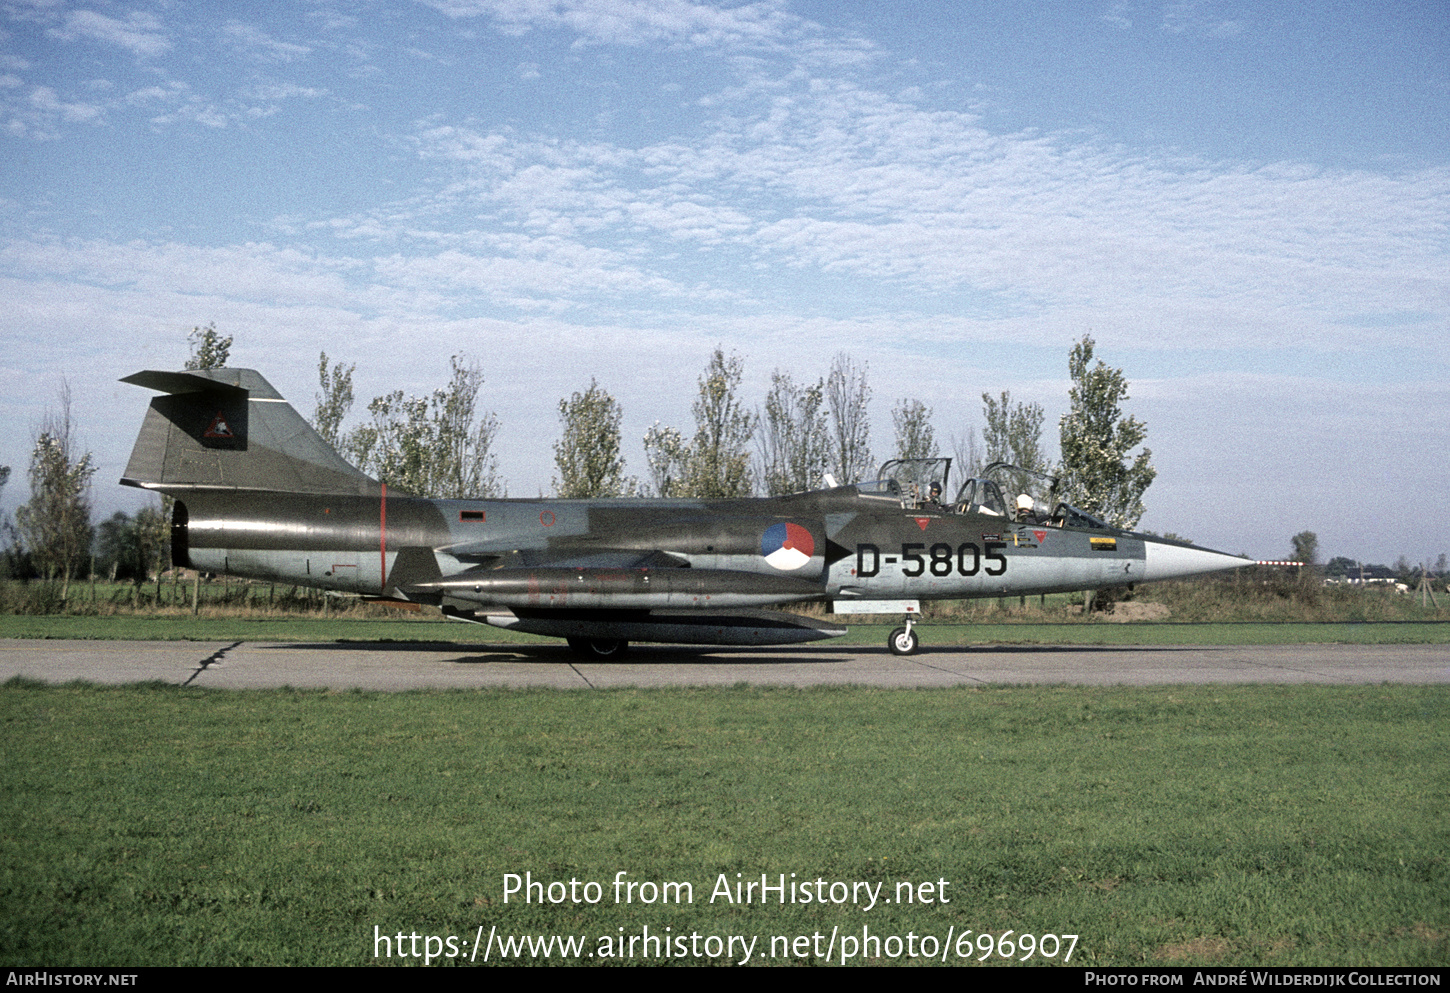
53	537
803	436
441	444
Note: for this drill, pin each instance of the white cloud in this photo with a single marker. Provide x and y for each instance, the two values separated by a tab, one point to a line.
1117	15
1197	17
147	94
632	22
331	20
140	32
180	104
39	113
530	278
829	178
250	271
43	98
281	91
255	41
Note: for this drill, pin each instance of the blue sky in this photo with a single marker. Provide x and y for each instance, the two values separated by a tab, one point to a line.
1246	206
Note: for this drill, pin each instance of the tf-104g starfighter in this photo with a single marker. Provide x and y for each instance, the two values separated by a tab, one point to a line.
259	494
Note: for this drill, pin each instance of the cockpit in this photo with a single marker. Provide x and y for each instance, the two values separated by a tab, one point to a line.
919	484
980	496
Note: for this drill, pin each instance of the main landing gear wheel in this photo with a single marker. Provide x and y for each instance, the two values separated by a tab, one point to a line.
903	641
598	649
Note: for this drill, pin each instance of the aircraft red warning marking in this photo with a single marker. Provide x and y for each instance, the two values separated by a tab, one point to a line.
218	428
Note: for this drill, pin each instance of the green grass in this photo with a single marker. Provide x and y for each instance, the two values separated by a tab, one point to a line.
1169	633
1263	606
1253	607
139	627
1227	825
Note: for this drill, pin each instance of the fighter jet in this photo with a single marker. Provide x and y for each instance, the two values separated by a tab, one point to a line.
259	494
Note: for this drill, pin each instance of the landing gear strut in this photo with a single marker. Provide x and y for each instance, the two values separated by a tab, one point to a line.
599	649
903	641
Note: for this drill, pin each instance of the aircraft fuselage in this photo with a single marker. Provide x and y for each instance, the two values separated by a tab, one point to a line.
641	554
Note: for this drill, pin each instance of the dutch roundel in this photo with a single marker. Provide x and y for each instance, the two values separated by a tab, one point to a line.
787	546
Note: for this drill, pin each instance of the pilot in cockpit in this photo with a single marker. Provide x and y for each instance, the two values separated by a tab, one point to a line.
933	501
1026	509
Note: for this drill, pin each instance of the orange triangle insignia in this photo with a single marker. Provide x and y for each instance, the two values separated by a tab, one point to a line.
922	522
1041	536
219	428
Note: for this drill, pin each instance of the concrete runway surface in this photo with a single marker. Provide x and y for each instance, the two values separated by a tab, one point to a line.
261	665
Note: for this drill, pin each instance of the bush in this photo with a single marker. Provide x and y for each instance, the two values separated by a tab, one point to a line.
25	597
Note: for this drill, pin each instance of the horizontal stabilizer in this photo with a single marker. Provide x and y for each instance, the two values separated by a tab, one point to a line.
229	429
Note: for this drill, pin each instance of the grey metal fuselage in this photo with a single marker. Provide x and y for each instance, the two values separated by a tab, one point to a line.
641	554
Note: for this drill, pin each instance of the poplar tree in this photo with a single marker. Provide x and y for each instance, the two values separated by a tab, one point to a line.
1099	473
334	401
434	446
9	536
968	454
720	453
715	463
914	436
209	350
847	399
587	455
668	456
1014	435
793	438
55	524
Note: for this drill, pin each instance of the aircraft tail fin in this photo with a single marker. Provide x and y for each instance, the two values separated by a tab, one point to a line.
229	429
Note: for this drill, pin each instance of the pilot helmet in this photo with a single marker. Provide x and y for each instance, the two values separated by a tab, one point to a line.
1024	502
935	489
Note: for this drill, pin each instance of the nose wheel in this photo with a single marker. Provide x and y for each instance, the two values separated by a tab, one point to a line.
903	641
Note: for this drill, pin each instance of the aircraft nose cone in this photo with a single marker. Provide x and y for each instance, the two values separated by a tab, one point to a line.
1162	561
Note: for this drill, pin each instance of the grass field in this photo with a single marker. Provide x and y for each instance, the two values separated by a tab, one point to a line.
1255	607
1222	825
1283	825
304	627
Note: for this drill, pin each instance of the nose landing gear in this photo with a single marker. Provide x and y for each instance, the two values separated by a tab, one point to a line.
903	641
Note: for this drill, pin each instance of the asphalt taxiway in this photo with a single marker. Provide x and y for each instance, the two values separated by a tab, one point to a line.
345	665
